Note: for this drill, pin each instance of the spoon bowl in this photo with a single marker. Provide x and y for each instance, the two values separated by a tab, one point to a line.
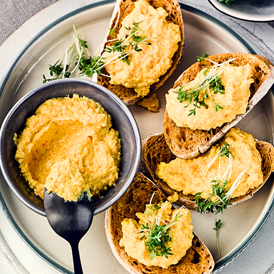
70	220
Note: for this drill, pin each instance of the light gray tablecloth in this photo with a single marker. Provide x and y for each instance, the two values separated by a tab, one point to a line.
14	13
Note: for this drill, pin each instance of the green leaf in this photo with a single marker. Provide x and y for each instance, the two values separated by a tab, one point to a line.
217	189
218	107
82	43
218	226
202	58
111	32
156	236
227	2
193	96
225	150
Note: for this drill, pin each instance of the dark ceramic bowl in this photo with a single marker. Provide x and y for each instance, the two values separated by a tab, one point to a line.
122	120
249	10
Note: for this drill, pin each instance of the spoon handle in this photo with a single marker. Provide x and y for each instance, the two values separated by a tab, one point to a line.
76	259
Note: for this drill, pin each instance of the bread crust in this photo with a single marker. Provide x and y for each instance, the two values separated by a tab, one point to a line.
197	260
128	95
156	150
187	143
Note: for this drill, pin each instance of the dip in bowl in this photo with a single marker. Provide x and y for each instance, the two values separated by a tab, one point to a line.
122	121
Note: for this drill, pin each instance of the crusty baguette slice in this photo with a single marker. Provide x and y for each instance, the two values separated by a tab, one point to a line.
128	95
156	150
197	260
187	143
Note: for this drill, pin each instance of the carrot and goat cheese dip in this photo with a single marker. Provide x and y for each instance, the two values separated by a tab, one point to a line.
216	96
67	181
234	162
69	138
171	227
149	42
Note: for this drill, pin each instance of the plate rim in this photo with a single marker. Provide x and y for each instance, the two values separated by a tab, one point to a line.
220	264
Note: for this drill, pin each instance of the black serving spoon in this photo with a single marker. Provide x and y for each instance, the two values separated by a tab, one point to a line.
70	220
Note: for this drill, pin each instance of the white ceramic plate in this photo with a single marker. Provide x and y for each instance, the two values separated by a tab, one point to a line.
203	34
250	10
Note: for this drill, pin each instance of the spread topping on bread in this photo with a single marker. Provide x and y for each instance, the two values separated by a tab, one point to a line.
229	169
162	236
148	43
216	96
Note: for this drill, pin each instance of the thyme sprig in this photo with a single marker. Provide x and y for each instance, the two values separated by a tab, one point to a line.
156	234
217	227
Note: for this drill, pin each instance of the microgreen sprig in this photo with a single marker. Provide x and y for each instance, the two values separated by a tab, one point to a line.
73	58
227	2
219	197
128	44
202	58
225	151
217	85
219	204
217	227
211	81
193	96
91	65
77	56
156	234
156	240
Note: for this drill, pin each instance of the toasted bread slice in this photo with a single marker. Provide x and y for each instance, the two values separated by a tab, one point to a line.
197	260
128	95
187	143
156	150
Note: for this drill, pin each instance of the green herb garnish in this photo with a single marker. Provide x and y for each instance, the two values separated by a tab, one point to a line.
202	58
227	2
225	150
156	235
197	95
217	227
217	86
194	96
77	56
111	32
91	65
121	46
219	197
219	203
156	240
